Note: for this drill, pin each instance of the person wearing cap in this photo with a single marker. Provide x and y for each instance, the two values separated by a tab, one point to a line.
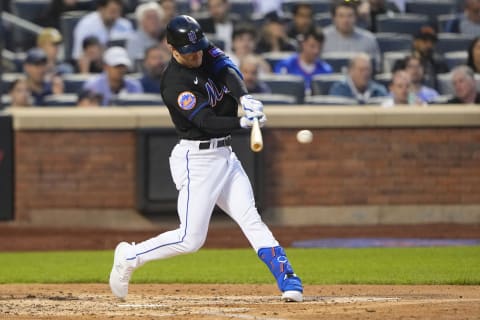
424	48
49	40
35	68
202	90
113	81
105	23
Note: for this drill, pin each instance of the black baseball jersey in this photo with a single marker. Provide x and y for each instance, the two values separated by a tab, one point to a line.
200	104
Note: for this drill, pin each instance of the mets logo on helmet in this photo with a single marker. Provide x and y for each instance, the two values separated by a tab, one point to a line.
186	100
192	36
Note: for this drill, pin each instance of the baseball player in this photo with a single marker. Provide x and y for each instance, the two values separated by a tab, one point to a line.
202	88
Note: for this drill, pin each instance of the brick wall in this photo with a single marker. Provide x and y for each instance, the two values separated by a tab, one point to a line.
96	169
373	167
74	169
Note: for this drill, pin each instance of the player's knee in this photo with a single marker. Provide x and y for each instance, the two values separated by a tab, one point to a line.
193	243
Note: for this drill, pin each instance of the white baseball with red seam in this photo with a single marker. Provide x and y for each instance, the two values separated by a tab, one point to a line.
304	136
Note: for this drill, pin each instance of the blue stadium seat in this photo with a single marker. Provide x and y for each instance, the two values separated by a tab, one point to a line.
8	79
448	42
74	82
68	21
274	57
321	83
402	23
330	100
431	8
317	5
393	41
455	58
61	100
243	8
140	100
286	84
322	19
443	20
277	99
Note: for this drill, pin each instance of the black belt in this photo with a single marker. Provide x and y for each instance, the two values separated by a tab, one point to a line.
225	142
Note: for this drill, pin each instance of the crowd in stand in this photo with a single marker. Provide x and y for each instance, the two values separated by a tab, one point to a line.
118	48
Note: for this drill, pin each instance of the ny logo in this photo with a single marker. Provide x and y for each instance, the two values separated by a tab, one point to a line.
192	36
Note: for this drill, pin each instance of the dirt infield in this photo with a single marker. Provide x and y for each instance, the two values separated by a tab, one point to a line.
260	302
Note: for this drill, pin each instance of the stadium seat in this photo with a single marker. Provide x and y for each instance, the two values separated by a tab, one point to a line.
402	23
9	78
286	84
431	8
68	21
455	58
274	57
61	100
242	7
272	98
330	100
389	59
140	100
383	78
444	20
322	19
74	82
389	42
317	5
448	42
338	60
30	10
321	83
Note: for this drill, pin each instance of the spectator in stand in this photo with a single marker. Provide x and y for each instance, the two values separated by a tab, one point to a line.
20	94
249	67
399	90
463	80
113	81
243	42
49	41
88	99
473	60
302	20
105	23
368	11
273	37
344	36
306	63
169	9
414	68
219	22
90	60
51	16
150	27
156	58
467	23
424	48
358	83
35	67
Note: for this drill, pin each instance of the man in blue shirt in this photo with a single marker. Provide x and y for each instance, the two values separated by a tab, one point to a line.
112	82
306	63
358	83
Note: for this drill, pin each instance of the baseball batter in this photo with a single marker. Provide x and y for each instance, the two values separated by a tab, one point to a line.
202	88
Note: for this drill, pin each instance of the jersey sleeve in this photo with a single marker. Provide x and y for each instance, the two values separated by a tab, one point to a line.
216	60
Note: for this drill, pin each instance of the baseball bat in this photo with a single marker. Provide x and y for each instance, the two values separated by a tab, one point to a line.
256	139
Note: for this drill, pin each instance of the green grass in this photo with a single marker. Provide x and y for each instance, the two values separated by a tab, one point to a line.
446	265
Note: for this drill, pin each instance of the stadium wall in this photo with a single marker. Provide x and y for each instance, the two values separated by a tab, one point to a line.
366	165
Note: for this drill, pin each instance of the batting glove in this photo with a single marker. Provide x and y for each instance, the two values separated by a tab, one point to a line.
247	122
250	104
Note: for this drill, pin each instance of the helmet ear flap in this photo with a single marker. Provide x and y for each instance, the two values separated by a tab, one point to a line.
185	35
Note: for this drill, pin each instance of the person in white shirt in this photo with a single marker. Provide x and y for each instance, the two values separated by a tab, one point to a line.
105	23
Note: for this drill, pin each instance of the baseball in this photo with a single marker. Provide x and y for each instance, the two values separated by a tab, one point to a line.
304	136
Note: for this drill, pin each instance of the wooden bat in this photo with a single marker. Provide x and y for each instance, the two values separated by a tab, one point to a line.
256	139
